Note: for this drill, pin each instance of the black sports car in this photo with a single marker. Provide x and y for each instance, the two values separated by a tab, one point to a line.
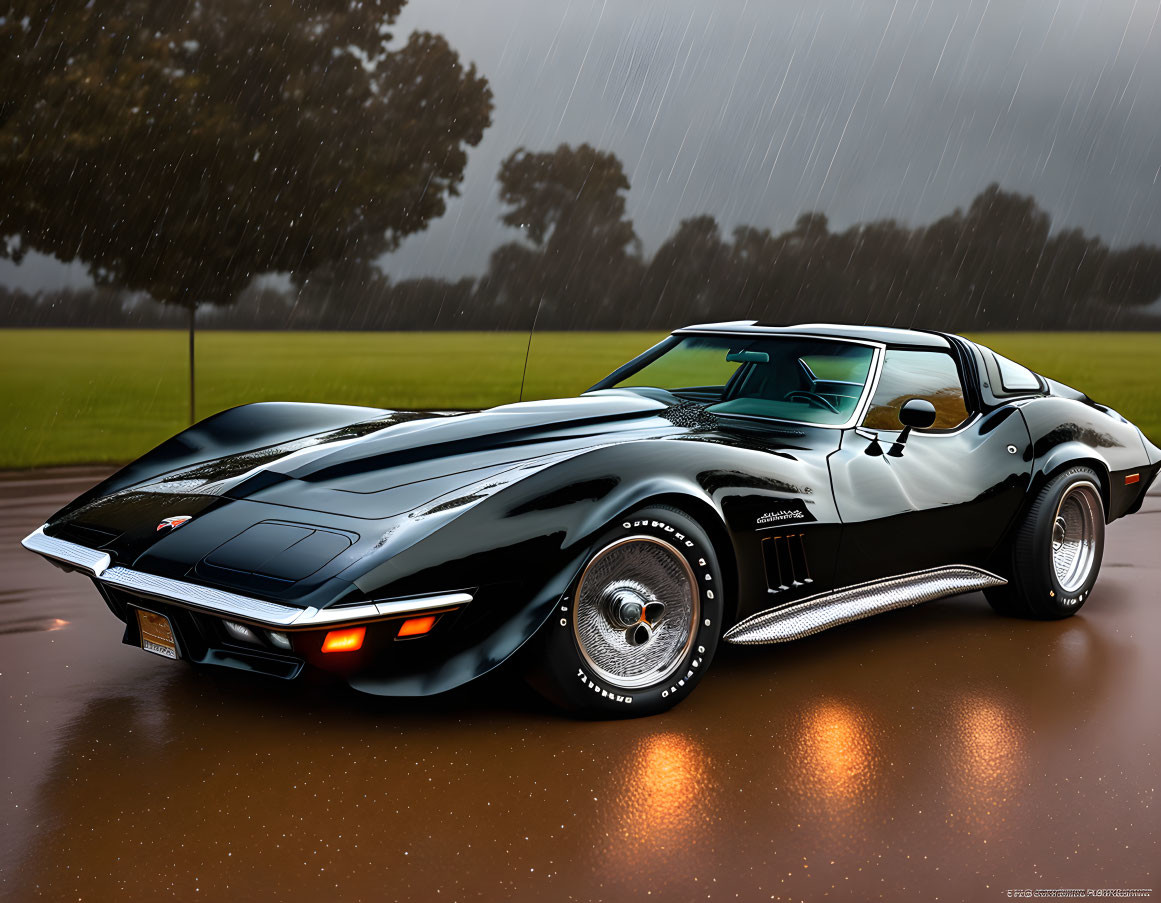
737	481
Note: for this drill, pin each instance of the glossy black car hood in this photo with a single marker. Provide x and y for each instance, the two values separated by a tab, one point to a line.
409	465
417	462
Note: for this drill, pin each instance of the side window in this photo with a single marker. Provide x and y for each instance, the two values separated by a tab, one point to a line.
930	375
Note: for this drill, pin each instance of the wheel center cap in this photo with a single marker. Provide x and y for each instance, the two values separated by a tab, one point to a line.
626	608
1058	531
635	610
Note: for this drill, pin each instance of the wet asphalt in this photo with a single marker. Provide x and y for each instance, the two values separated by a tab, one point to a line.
937	753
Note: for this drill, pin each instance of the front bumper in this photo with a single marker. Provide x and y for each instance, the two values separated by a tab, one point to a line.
245	609
474	631
200	616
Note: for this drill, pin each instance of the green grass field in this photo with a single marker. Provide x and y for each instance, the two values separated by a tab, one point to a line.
106	396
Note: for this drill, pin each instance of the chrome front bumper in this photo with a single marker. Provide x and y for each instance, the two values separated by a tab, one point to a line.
98	565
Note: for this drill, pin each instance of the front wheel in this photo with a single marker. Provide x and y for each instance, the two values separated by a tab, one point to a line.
1056	552
642	621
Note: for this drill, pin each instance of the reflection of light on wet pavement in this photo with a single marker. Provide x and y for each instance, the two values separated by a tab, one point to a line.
986	762
781	776
662	798
32	625
837	756
1074	649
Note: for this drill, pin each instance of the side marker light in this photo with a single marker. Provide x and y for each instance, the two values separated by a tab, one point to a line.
347	640
416	627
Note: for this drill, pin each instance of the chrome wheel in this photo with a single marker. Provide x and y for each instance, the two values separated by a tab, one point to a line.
1075	535
636	612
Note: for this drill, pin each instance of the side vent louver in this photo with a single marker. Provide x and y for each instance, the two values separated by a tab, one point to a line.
787	567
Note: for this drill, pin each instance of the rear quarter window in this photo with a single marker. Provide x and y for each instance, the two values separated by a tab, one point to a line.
1009	378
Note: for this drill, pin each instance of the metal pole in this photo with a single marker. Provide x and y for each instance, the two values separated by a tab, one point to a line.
192	398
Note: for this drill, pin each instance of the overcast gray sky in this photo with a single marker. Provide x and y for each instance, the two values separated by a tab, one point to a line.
756	110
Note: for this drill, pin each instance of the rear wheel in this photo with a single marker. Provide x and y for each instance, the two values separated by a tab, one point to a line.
640	625
1055	555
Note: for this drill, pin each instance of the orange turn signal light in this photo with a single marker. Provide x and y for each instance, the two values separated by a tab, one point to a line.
348	640
1132	478
416	626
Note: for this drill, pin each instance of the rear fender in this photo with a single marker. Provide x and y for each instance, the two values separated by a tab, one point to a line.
1072	454
1068	432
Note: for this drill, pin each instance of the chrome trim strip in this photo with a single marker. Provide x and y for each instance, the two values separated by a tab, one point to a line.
423	603
394	609
205	598
870	388
271	614
817	613
753	334
219	601
92	561
335	615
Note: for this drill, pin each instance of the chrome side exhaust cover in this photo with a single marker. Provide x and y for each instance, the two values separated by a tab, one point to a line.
818	613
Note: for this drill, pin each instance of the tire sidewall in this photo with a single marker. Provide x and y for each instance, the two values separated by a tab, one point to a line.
577	686
1041	586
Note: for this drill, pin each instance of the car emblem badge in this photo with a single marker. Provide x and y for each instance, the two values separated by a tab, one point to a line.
172	523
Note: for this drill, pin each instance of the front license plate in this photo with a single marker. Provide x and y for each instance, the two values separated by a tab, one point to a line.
156	634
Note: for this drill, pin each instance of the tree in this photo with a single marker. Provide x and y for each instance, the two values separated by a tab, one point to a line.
685	279
182	148
570	203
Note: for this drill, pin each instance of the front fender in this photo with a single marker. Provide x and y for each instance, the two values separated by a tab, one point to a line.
519	549
239	429
506	613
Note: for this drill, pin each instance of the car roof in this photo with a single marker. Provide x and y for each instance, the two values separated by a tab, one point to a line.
884	334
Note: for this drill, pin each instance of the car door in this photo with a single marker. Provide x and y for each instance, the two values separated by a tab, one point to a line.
947	495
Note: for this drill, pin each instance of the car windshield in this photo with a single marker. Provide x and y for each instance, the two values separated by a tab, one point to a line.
785	377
